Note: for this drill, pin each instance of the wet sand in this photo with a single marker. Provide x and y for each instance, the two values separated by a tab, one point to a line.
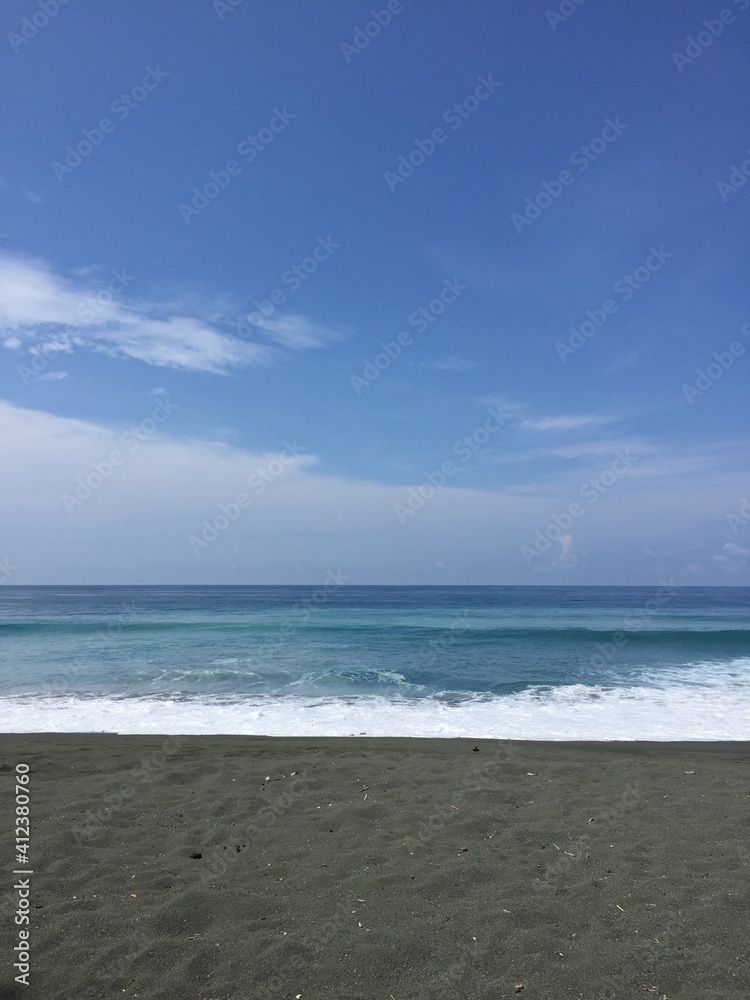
236	868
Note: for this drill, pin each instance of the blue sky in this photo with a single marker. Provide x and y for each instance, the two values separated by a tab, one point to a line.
587	167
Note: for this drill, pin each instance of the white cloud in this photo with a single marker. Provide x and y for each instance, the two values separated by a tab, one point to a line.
601	447
598	449
50	377
733	558
736	550
38	306
565	558
517	415
511	409
297	332
135	526
179	342
564	423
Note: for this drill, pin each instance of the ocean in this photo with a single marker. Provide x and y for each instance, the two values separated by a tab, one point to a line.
562	663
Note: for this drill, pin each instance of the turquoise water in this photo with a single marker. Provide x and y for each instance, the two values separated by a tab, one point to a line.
317	657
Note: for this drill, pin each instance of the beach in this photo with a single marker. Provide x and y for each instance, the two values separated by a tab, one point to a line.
240	867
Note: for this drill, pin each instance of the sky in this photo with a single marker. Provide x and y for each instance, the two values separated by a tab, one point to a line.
406	292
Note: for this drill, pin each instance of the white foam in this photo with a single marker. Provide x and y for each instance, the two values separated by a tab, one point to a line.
573	712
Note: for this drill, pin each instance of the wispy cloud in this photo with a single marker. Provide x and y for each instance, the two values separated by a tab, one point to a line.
587	449
179	342
28	194
510	408
517	414
50	377
298	333
565	423
451	363
595	448
41	308
733	558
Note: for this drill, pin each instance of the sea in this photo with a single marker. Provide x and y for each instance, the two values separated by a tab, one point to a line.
536	663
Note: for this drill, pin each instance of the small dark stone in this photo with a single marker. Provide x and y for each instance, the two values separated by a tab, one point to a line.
237	848
475	749
195	855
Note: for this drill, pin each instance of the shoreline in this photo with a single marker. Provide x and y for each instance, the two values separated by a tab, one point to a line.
368	867
709	713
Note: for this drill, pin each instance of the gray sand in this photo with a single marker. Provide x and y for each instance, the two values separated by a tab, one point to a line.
382	868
